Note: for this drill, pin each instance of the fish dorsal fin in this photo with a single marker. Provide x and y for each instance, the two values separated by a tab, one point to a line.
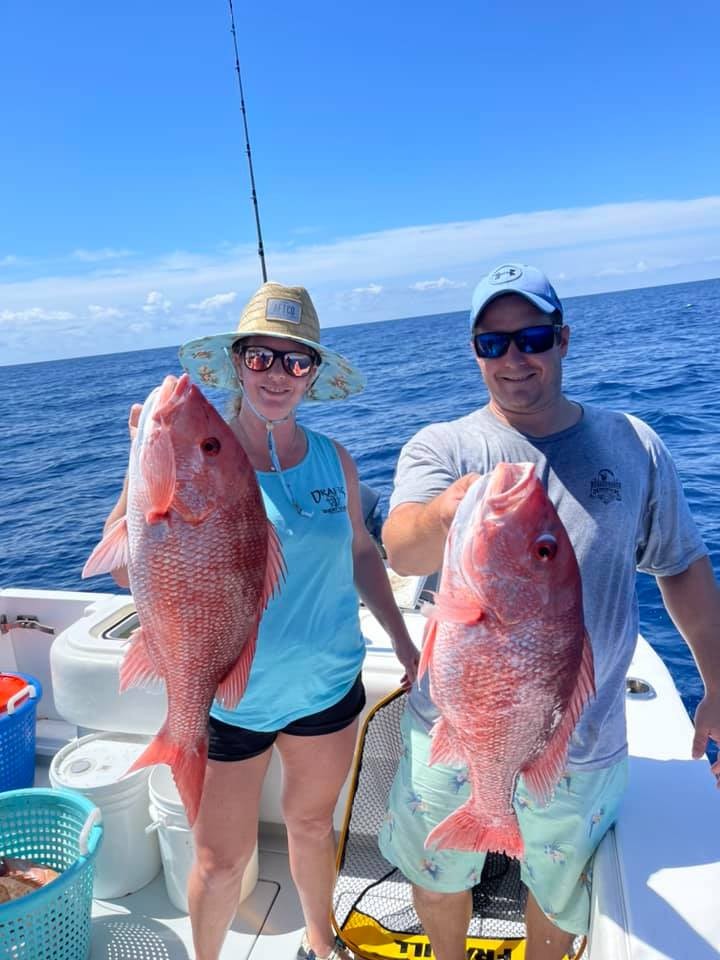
111	553
157	465
275	569
544	773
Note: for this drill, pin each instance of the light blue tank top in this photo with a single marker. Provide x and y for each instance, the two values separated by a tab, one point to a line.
310	648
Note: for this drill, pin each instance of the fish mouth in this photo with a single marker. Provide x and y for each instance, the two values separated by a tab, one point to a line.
509	485
173	392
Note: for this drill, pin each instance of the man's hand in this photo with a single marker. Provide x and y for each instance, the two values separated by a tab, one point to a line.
449	500
414	533
707	726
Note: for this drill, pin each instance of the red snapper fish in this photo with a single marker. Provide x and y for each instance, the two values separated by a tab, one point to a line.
203	560
510	662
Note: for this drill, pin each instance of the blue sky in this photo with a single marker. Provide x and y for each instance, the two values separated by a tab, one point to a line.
401	150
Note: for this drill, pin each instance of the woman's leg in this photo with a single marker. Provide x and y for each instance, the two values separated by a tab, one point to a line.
225	834
314	770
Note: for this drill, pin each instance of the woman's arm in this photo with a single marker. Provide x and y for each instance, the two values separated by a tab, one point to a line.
371	578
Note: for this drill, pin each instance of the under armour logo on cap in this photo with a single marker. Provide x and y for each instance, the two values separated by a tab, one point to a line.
517	278
505	274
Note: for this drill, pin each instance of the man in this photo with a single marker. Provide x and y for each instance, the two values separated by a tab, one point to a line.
617	492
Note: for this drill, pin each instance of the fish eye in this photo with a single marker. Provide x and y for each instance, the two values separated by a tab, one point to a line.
210	446
545	547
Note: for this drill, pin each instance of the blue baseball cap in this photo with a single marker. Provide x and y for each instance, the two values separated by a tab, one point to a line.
528	282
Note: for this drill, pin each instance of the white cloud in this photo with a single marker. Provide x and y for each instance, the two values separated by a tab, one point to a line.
9	261
34	314
104	313
585	250
95	256
215	302
442	283
155	302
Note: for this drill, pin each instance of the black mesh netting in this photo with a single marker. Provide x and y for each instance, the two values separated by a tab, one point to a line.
367	882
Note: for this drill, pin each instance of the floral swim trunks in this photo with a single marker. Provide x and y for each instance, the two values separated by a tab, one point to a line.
559	838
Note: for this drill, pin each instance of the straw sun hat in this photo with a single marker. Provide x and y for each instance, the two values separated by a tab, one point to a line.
274	311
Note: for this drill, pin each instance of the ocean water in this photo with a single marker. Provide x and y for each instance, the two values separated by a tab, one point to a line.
64	441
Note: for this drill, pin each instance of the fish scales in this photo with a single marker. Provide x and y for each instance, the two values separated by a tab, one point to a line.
509	659
202	560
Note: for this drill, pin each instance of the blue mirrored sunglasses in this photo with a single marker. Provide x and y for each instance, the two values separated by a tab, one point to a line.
538	339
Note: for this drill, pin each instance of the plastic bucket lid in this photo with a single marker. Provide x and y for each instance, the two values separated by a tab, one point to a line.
97	765
10	684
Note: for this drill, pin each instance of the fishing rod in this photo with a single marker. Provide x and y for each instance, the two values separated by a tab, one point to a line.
261	250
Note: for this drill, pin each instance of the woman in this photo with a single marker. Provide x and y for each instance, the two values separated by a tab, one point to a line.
305	689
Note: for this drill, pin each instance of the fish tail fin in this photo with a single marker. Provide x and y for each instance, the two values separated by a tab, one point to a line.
543	774
111	553
188	764
463	830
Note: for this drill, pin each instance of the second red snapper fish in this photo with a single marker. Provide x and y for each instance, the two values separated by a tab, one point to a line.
203	561
510	662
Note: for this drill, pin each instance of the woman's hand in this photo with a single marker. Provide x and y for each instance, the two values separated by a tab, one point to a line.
134	419
409	656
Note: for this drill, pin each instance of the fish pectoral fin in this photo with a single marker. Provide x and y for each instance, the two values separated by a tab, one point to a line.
137	668
443	744
157	465
232	687
275	570
457	608
111	553
544	773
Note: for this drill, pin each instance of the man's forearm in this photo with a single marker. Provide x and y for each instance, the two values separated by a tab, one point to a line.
692	599
414	538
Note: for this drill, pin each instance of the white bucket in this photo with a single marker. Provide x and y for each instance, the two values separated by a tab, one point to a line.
177	850
95	766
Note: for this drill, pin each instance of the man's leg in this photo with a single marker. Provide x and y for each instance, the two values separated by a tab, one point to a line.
560	840
545	941
445	918
422	795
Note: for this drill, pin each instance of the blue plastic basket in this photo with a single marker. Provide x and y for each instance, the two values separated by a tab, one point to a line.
17	740
62	830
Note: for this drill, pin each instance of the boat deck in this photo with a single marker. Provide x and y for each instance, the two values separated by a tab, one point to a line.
146	926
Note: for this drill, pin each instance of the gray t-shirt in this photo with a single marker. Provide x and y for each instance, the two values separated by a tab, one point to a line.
618	494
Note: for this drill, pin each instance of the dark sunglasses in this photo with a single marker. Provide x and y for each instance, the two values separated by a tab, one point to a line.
491	345
294	362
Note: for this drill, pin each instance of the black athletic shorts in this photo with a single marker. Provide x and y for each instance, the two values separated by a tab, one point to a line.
229	742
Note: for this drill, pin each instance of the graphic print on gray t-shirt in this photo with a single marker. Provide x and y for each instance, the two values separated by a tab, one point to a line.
618	494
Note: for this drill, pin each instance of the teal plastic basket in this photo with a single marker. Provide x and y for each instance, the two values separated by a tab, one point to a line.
62	830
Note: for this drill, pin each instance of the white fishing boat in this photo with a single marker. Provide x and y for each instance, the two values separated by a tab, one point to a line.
656	874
